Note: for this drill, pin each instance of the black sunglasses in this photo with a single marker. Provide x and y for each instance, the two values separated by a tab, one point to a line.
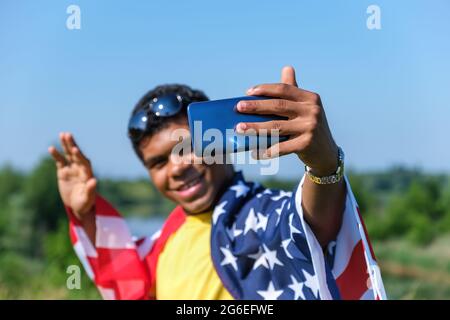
163	106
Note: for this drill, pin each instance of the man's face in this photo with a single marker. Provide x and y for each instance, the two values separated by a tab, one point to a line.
192	185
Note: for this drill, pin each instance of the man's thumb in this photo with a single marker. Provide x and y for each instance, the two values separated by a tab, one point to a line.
288	76
91	184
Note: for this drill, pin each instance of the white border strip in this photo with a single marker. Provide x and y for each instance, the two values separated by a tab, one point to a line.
314	248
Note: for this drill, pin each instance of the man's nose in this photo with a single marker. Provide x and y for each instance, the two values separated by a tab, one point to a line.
179	164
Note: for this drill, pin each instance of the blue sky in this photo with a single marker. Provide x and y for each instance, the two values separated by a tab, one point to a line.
386	92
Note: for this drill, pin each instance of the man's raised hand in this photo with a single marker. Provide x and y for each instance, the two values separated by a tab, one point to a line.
306	125
76	181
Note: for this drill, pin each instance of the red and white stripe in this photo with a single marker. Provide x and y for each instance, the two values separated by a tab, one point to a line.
121	267
115	263
355	269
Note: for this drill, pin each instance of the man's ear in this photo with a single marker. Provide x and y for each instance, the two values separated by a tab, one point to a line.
288	76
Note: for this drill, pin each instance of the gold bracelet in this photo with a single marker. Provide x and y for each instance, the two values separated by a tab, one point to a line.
332	179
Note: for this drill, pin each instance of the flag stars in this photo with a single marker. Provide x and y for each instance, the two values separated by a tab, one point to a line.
268	259
271	256
240	188
251	222
297	287
270	293
311	282
218	211
257	252
255	221
229	258
261	260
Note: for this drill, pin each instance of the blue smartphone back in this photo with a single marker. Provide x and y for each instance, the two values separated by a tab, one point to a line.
210	121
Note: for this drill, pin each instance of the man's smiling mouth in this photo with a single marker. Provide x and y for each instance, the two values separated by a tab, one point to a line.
190	183
191	188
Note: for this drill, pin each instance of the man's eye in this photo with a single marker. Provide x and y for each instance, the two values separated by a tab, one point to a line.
157	164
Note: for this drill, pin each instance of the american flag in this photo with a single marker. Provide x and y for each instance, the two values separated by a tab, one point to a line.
261	247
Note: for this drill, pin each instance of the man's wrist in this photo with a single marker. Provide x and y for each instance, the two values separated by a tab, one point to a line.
329	164
330	174
326	170
86	215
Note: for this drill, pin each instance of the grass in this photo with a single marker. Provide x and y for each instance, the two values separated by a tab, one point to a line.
411	272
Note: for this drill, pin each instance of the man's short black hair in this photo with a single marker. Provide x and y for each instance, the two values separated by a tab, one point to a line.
156	123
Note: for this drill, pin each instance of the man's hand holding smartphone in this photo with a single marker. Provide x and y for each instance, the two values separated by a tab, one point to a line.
306	124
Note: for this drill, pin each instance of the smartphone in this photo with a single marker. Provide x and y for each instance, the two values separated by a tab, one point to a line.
212	125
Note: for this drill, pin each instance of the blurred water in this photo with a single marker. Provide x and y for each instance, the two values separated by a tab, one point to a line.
140	227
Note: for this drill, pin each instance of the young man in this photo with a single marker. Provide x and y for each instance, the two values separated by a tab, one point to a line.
227	238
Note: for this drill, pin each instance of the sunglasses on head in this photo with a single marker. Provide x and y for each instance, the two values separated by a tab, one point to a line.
163	106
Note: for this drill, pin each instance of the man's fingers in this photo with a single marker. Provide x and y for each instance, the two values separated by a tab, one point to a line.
65	145
279	107
76	153
59	159
63	142
71	149
79	157
279	149
85	165
285	147
71	140
288	76
281	91
281	127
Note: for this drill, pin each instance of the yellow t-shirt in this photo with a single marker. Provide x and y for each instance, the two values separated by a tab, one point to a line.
185	269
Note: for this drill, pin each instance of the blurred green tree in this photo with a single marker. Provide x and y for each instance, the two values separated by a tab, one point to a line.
43	202
415	214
